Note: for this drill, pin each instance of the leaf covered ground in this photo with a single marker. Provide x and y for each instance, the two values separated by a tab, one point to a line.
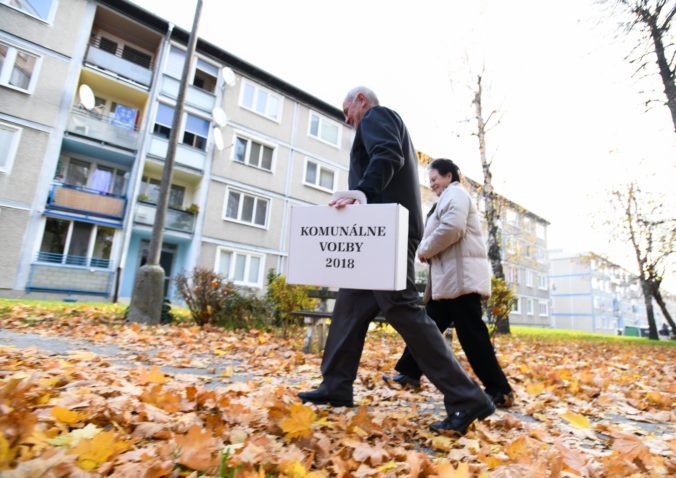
179	400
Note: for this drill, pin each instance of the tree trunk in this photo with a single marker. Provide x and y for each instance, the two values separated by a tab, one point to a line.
650	313
666	74
492	213
657	295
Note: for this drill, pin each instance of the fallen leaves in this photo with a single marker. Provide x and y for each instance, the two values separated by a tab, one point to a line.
582	409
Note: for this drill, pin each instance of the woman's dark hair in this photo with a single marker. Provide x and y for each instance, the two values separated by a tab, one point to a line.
444	166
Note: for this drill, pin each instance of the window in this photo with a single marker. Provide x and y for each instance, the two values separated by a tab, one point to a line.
253	153
91	175
510	244
542	281
18	68
512	216
319	176
241	268
150	188
137	57
529	278
164	119
42	9
261	101
196	132
543	308
516	307
206	76
509	274
76	243
246	208
9	143
324	129
530	305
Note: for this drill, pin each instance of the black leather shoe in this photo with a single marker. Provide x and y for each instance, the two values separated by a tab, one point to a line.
404	380
458	421
318	397
503	400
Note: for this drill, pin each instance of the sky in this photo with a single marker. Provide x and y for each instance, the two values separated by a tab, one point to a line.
570	119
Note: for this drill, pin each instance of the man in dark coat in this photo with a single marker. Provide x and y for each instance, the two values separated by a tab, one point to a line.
384	169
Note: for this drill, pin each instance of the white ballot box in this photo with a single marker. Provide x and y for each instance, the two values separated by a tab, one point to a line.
356	247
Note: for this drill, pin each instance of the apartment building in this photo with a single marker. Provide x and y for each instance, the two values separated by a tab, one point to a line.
251	146
524	251
593	294
41	47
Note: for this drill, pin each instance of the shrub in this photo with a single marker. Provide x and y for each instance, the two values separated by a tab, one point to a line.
285	298
500	303
212	300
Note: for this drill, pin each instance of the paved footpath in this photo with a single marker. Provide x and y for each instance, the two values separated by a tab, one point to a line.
64	346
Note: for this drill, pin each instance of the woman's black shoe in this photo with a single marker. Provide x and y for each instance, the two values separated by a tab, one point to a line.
320	398
503	400
458	421
404	380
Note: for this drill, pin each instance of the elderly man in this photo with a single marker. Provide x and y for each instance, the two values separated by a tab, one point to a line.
384	169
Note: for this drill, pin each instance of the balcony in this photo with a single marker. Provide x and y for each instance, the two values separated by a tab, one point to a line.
114	63
108	129
82	200
70	274
195	96
175	220
185	155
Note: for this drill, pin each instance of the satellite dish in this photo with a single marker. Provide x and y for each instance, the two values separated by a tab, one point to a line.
219	116
86	96
218	139
228	75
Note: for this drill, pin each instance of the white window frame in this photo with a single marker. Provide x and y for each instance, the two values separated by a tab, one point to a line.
542	282
543	308
512	217
530	307
247	158
529	278
256	197
320	167
516	308
323	121
91	244
8	67
50	15
13	146
257	91
247	267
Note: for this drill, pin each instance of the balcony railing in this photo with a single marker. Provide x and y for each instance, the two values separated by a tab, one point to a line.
185	155
195	96
82	200
175	219
82	261
118	65
55	272
101	127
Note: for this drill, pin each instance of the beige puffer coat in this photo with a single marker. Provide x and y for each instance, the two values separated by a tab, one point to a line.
455	247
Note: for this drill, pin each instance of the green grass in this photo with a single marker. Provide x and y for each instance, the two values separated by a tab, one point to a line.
180	313
564	334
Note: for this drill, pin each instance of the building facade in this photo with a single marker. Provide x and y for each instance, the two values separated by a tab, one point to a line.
592	294
88	92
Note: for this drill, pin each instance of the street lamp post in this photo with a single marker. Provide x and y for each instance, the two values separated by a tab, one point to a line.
148	294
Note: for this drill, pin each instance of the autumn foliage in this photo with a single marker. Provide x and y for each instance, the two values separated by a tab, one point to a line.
182	400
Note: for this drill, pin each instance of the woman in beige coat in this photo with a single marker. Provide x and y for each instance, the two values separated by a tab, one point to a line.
459	276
